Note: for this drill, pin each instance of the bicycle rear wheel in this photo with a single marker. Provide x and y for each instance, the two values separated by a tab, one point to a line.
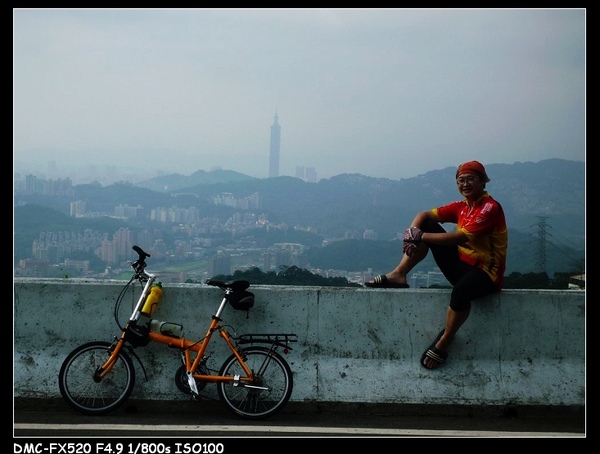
267	394
82	392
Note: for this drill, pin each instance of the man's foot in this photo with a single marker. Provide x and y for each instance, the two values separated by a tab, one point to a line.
382	281
433	357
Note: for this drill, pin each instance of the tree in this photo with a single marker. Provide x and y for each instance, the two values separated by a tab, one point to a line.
288	275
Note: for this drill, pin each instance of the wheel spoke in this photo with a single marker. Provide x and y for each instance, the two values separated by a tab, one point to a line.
79	388
272	378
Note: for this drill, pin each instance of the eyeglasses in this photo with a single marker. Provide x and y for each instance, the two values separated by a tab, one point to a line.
461	181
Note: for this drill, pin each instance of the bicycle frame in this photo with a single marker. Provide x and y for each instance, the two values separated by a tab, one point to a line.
254	382
192	362
187	346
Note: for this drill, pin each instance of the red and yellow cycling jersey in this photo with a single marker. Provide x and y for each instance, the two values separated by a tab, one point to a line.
484	224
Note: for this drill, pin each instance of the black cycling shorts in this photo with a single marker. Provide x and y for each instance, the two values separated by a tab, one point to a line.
468	281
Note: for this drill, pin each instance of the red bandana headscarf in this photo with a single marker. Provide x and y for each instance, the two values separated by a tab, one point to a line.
474	167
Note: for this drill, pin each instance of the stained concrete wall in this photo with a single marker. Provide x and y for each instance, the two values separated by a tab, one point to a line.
519	347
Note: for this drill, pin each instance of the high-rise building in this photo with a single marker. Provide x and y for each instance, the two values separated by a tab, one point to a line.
77	208
275	149
220	264
306	173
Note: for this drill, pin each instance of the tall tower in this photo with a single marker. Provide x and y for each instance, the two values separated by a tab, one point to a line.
274	152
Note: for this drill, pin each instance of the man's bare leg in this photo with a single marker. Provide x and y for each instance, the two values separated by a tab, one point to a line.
454	320
398	274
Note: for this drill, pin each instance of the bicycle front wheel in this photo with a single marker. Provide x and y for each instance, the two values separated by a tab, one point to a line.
267	394
91	397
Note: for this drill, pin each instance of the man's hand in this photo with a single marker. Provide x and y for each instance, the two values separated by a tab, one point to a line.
409	248
412	237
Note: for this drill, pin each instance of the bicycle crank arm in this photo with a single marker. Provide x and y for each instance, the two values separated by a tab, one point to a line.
192	384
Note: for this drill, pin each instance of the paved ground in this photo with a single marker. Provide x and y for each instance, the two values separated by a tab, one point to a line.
184	419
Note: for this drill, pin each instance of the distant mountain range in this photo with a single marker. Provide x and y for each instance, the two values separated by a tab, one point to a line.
544	202
553	189
176	182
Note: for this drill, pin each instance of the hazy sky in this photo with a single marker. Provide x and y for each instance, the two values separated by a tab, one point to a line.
388	93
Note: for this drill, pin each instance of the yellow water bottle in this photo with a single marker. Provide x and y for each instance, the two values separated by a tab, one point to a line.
152	300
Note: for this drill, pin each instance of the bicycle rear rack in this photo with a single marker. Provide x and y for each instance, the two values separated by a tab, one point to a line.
281	339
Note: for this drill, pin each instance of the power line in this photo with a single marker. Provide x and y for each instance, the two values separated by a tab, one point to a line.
540	263
543	242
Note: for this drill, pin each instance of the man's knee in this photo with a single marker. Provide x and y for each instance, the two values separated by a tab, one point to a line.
459	305
432	227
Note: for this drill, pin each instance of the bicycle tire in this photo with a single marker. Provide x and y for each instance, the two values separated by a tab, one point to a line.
271	371
77	385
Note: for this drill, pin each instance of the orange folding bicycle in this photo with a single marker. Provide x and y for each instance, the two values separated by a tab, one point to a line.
255	382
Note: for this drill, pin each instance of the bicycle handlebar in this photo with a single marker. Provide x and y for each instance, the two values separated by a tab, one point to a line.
140	264
141	253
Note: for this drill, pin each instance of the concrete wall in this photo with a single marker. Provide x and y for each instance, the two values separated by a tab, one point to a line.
519	347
